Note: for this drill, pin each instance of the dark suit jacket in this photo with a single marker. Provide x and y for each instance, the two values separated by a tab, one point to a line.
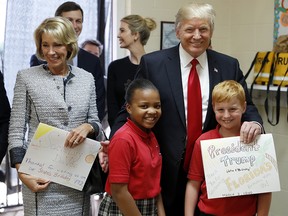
163	69
4	119
90	63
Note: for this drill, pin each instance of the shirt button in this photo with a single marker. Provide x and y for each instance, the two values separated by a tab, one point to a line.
69	108
58	87
65	123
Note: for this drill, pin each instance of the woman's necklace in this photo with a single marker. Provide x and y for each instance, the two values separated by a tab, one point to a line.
63	74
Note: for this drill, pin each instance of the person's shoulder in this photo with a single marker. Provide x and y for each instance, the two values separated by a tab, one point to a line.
85	54
33	69
123	135
34	56
211	134
34	61
169	53
124	132
120	61
171	50
89	62
80	72
31	73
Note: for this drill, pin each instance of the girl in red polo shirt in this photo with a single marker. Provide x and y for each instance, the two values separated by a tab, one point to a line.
133	184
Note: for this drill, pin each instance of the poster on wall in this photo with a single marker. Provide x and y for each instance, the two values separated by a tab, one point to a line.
280	19
168	35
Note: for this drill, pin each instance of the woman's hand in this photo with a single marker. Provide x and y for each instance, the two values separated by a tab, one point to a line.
35	184
78	135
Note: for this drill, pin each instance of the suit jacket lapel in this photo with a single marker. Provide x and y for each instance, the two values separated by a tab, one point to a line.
215	77
173	69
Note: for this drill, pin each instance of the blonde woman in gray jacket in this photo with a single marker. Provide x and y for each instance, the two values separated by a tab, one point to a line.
59	95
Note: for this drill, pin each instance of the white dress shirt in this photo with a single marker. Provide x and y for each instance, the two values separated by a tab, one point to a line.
203	73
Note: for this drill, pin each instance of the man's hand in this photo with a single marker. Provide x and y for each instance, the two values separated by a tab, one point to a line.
103	155
249	131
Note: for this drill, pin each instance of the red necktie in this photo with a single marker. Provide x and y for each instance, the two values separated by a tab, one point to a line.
194	112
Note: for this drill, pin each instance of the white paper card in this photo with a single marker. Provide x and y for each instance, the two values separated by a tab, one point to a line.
46	157
232	168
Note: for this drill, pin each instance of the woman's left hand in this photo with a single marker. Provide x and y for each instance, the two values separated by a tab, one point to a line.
78	135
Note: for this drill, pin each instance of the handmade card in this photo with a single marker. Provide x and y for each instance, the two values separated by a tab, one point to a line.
233	168
48	158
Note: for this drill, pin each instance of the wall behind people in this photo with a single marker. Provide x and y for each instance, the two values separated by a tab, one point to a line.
241	29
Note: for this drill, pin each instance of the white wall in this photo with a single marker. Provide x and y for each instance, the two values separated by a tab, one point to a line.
241	29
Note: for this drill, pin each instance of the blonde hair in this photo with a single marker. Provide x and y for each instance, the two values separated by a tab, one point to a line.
142	25
195	10
62	30
227	90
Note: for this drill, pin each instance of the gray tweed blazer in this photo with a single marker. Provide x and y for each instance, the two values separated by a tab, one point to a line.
40	96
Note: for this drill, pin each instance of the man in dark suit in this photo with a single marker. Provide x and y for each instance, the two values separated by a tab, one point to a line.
169	70
4	119
84	59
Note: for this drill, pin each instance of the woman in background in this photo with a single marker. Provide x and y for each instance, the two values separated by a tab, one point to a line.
133	35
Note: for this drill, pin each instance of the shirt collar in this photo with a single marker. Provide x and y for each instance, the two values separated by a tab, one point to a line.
186	58
137	130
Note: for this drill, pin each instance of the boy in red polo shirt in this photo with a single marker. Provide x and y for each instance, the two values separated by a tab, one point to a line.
228	100
135	162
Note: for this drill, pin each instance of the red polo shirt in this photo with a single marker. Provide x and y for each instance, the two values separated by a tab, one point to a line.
236	206
135	159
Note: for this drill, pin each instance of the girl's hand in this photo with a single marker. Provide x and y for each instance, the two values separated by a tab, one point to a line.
103	155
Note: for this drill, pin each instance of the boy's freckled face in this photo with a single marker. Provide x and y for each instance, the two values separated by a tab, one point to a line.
229	113
145	108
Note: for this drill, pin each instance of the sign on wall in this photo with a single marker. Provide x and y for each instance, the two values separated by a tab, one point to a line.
280	19
168	35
